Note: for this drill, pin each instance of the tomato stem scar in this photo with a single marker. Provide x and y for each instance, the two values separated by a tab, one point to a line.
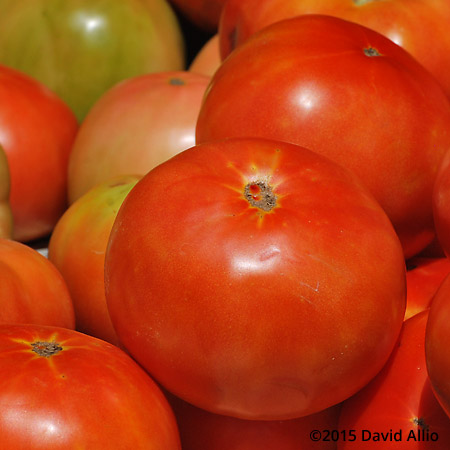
46	349
259	194
370	51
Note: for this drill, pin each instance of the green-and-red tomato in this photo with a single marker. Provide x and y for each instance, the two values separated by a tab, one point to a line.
348	93
32	290
437	343
135	126
77	248
255	279
61	389
37	130
419	26
81	48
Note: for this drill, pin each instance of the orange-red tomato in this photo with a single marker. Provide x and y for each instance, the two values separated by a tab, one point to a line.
77	248
437	343
135	126
61	389
398	402
6	218
32	290
441	205
36	131
419	26
255	279
346	92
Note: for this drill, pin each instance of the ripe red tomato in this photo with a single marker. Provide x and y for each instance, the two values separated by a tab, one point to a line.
399	401
61	389
419	26
441	205
255	279
135	126
77	248
348	93
6	218
423	278
200	430
437	343
31	288
36	131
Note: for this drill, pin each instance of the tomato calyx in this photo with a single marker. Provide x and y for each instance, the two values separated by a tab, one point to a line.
371	52
260	195
45	348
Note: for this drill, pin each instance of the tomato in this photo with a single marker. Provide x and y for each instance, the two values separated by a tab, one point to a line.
255	279
6	218
419	26
81	48
32	289
399	402
77	248
37	131
200	430
348	93
437	342
423	278
207	59
204	14
135	126
61	389
441	205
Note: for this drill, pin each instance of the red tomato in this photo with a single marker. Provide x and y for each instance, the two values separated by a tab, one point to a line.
201	430
31	288
202	13
77	248
437	344
135	126
419	26
255	279
399	402
207	60
61	389
348	93
6	219
423	279
441	205
36	131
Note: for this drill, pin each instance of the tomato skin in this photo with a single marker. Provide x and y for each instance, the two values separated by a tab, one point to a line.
423	278
441	205
437	342
207	60
400	397
77	248
419	26
6	218
36	132
317	88
32	289
88	395
250	313
74	47
200	430
158	114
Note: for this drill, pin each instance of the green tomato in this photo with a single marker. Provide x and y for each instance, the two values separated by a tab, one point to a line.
81	48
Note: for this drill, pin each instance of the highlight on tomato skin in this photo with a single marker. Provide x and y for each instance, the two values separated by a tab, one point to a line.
62	389
253	308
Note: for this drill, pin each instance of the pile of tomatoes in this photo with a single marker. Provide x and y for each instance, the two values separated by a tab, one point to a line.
224	224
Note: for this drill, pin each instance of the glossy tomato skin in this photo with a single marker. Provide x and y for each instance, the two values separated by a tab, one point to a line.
60	389
200	430
419	26
77	248
255	310
423	278
135	126
32	290
81	48
37	130
6	218
400	398
437	342
348	93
